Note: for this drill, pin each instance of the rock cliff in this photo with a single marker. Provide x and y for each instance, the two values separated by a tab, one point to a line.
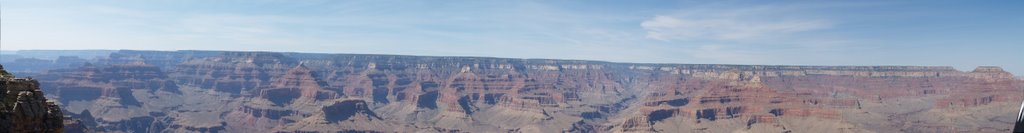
23	108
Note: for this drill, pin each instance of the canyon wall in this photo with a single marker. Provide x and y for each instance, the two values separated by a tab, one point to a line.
223	91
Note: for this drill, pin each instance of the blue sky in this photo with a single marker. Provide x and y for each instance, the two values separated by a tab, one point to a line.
963	34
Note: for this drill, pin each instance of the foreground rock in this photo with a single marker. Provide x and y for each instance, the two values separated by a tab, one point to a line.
23	109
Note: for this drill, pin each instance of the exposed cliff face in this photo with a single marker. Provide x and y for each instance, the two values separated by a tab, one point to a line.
298	83
23	108
115	82
233	72
194	91
343	116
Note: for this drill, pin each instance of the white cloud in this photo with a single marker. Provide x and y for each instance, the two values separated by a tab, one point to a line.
747	35
728	26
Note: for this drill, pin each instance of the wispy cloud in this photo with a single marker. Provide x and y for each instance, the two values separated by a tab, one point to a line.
728	25
745	34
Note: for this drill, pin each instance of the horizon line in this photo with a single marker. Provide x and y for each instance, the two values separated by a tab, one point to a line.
472	56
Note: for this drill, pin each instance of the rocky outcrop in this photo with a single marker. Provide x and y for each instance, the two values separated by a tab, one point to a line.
232	72
72	125
206	91
298	83
24	109
91	82
344	116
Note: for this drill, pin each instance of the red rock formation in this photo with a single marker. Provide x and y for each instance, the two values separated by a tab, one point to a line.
297	83
117	81
232	72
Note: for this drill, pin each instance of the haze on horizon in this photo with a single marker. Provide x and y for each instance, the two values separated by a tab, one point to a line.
962	34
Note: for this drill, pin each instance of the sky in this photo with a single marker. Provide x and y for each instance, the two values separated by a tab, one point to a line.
962	34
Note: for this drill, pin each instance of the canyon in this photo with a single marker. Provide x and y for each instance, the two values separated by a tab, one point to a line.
228	91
